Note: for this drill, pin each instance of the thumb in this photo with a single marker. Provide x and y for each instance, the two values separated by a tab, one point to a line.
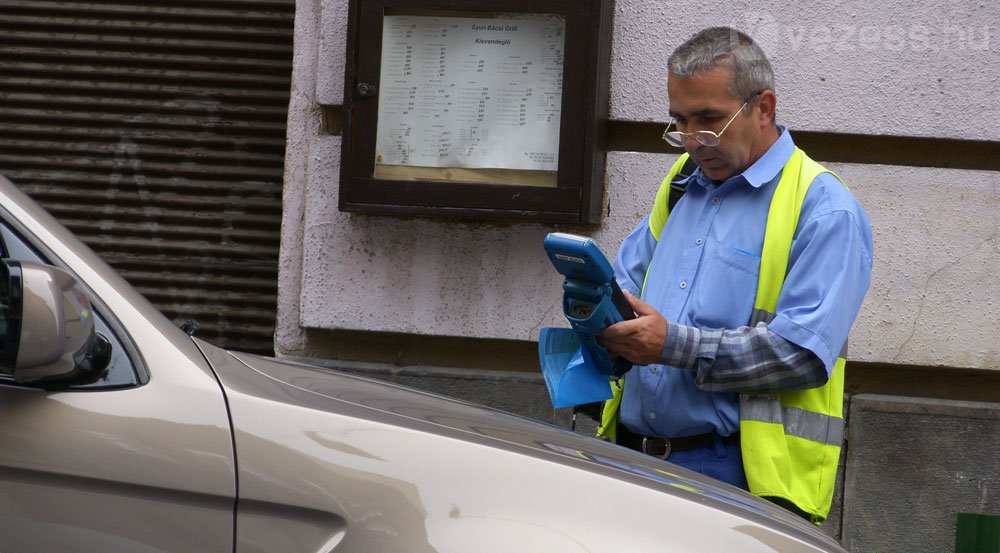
640	307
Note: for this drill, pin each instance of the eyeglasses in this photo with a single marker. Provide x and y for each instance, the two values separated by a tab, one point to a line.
705	138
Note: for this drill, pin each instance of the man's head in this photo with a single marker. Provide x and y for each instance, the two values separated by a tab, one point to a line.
711	76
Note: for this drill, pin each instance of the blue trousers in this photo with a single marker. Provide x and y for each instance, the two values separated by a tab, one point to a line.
721	461
724	462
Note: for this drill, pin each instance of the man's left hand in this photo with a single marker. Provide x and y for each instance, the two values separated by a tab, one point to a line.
639	340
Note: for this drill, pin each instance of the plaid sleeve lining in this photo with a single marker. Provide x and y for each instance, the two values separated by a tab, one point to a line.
746	359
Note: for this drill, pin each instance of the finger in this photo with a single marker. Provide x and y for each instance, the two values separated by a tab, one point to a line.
613	345
609	333
605	343
640	307
620	330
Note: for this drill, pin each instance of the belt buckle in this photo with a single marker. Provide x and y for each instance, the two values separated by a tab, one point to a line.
666	448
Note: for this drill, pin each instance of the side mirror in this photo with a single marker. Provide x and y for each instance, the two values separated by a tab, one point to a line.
47	334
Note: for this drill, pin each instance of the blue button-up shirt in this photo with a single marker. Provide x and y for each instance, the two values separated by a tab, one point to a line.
703	273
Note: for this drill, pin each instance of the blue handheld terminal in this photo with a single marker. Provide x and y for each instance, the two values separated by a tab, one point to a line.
592	299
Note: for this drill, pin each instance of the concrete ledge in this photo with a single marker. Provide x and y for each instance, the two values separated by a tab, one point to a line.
912	465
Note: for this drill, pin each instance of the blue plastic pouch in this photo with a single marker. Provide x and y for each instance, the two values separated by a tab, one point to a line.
571	375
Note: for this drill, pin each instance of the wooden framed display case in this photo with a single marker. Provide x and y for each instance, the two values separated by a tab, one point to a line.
476	109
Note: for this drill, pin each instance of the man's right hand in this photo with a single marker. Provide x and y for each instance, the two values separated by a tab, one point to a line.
639	340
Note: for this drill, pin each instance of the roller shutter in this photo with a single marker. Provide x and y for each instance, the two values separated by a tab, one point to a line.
156	132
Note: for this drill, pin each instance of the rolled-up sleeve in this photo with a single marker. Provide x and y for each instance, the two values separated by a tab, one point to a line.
830	271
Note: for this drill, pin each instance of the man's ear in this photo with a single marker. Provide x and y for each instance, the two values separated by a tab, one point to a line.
767	105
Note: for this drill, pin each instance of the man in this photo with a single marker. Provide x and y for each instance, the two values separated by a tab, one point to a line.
738	340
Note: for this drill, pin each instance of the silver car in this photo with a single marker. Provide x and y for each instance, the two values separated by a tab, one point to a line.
121	433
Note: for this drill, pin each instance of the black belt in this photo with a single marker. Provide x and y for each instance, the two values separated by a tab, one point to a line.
660	446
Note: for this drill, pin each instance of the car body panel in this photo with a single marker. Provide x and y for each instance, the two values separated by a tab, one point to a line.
145	469
387	469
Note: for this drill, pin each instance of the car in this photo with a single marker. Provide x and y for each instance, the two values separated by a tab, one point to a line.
122	433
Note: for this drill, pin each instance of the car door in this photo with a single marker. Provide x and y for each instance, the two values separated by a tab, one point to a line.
139	461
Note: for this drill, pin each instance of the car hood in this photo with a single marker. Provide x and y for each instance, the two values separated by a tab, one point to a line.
486	447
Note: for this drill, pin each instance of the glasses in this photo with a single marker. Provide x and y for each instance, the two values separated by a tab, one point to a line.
705	138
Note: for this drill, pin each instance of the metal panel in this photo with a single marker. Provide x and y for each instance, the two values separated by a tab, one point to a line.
156	132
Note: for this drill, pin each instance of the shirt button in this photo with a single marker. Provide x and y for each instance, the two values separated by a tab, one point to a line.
652	415
654	370
683	284
699	241
715	201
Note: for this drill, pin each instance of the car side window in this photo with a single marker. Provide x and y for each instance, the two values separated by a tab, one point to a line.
121	370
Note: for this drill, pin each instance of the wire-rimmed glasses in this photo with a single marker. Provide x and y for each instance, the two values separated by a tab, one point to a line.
705	138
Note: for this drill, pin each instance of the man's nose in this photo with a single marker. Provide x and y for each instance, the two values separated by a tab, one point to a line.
691	143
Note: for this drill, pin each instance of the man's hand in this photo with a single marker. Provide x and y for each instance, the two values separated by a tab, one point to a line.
639	340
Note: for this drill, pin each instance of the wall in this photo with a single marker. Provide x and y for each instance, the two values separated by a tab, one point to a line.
874	71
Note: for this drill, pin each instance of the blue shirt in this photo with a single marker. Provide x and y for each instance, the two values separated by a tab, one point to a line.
704	270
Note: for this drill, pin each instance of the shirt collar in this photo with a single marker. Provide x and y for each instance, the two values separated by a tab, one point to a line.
772	162
764	169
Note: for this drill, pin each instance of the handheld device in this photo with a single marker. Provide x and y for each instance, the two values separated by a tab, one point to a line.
592	299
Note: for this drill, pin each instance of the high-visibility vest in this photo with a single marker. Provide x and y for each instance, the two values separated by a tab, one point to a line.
790	441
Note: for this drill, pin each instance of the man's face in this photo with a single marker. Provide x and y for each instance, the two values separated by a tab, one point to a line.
703	102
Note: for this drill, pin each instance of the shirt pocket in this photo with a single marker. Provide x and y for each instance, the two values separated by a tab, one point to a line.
725	287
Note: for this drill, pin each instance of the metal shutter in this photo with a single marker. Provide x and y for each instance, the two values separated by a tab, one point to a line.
156	132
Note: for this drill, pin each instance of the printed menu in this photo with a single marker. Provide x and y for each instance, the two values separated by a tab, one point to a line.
471	92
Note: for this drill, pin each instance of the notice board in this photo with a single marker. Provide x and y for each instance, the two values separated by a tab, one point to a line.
476	110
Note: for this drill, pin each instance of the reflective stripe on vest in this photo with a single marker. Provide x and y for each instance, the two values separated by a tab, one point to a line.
790	441
801	423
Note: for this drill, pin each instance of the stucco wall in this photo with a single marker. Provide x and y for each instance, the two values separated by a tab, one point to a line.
936	290
899	67
904	68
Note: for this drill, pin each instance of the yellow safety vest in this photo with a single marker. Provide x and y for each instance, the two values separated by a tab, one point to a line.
790	441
